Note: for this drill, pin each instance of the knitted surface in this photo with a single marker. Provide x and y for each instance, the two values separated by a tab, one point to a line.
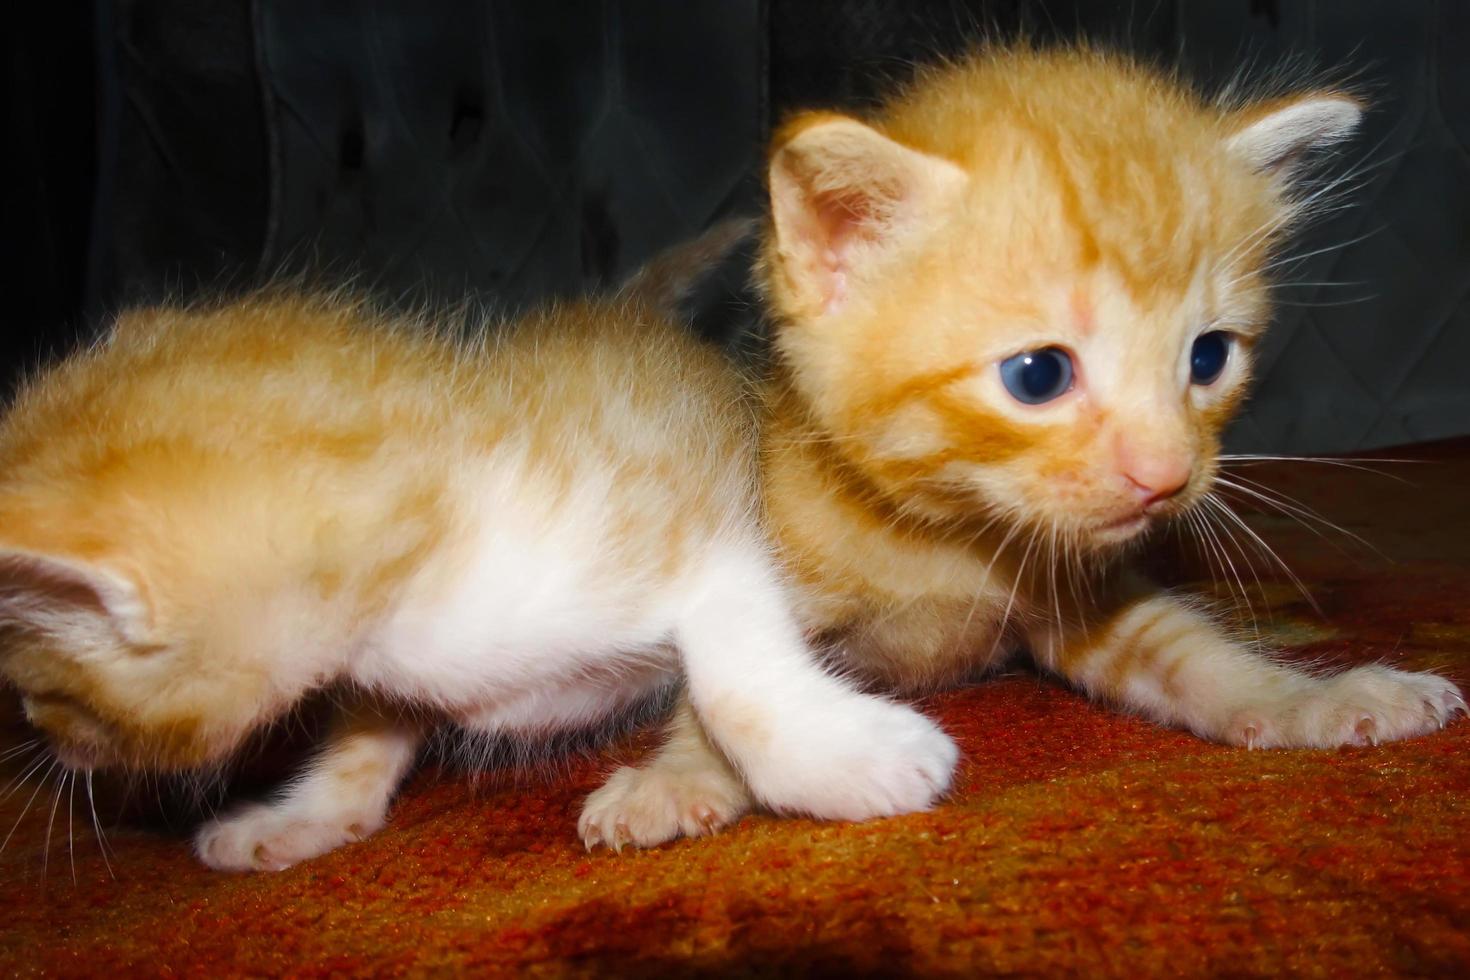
1078	841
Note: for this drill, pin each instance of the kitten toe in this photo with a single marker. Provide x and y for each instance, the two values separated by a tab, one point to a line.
913	768
883	760
265	838
1380	704
1365	706
650	806
1252	729
705	819
1249	735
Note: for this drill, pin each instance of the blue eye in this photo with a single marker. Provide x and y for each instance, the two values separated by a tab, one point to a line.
1207	358
1038	375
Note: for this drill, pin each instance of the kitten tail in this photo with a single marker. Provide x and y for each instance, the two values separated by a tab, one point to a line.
668	279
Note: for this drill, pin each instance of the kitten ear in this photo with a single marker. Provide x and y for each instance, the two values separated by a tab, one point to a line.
841	192
1273	137
39	587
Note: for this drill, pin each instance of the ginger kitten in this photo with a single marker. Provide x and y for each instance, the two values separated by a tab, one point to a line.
1013	310
219	509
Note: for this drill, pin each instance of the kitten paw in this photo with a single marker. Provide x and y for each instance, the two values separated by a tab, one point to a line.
1363	706
875	759
646	807
261	837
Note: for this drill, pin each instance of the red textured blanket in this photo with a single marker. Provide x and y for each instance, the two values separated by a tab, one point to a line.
1078	841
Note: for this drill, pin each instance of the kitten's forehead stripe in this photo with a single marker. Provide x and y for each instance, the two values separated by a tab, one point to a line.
922	386
1083	315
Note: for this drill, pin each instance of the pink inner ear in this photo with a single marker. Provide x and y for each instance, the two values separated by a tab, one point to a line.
840	220
838	190
858	214
843	217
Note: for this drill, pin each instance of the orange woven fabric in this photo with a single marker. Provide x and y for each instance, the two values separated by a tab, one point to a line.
1078	841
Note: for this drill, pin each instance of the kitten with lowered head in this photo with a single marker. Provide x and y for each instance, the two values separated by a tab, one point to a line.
1013	309
218	509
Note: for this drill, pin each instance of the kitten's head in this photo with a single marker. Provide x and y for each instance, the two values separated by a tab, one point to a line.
1031	285
131	636
181	556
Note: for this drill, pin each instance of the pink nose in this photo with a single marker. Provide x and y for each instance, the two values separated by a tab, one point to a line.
1153	472
1152	468
1155	480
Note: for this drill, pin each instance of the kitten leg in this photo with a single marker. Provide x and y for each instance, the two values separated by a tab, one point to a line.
686	788
1162	657
803	740
342	797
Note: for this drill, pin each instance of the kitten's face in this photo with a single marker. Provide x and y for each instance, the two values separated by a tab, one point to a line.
1049	323
1056	392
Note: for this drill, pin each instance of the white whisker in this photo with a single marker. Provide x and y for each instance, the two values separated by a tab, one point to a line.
1336	246
980	590
26	809
1241	459
1250	566
1191	520
1051	572
1234	584
71	840
19	781
1011	599
16	750
97	825
1299	512
50	824
1301	587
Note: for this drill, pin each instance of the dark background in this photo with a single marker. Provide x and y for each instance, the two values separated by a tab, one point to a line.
514	151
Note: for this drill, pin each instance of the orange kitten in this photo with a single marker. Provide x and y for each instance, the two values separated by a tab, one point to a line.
1014	309
217	510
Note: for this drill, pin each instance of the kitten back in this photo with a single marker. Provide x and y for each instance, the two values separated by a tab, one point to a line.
203	515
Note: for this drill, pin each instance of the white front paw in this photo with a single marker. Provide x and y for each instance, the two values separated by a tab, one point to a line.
262	837
1363	706
649	806
861	758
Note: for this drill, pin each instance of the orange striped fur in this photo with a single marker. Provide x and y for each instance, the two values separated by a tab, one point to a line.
933	522
1074	199
341	444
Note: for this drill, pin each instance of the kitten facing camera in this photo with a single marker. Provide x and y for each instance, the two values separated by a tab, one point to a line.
217	510
1013	310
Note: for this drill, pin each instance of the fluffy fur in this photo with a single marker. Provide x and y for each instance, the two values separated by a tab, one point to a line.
217	510
1018	201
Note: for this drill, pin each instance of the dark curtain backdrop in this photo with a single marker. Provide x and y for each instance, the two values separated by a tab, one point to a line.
514	151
